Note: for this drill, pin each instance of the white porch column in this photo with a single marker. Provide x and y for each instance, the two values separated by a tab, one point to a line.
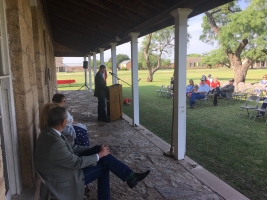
180	53
90	72
135	89
94	60
113	61
101	50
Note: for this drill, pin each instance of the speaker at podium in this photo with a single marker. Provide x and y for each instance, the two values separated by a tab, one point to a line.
114	102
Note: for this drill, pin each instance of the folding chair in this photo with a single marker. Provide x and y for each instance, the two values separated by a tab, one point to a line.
46	190
168	92
159	92
252	103
228	99
203	101
259	110
240	93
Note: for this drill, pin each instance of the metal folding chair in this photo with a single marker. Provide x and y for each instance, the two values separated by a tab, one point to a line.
48	195
252	103
162	89
202	102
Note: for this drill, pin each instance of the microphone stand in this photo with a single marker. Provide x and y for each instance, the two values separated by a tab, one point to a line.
114	75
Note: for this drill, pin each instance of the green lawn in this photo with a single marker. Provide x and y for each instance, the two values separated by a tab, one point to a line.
232	148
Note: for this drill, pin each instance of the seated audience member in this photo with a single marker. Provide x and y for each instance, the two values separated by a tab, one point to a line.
194	90
190	87
263	82
171	83
73	128
44	113
226	91
43	123
66	169
206	81
127	101
263	106
201	93
210	79
215	83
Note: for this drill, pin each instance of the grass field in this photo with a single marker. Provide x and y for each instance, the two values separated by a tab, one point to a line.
232	148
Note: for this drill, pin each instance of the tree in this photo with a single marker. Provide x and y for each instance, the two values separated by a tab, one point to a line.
242	35
194	55
154	47
216	57
119	58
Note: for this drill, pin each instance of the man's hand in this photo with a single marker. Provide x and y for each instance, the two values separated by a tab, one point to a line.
104	151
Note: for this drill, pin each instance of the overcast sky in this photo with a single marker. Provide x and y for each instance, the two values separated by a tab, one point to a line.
195	45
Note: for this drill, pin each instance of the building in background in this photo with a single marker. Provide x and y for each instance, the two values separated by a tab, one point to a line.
126	64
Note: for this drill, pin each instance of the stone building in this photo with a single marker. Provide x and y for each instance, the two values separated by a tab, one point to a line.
27	81
74	67
192	63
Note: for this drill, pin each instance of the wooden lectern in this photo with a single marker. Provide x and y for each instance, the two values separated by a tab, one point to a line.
114	102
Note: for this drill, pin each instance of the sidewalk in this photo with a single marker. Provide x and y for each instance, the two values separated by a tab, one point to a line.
141	150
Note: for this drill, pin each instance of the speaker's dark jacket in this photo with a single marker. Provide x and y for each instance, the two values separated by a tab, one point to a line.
100	85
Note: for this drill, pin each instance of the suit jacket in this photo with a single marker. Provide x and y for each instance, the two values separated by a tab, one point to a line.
60	166
100	85
229	89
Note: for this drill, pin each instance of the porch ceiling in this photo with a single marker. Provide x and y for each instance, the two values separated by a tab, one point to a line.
82	26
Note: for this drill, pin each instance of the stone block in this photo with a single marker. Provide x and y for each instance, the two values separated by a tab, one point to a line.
25	11
12	3
2	187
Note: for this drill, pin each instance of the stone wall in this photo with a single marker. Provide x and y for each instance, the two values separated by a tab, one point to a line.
31	56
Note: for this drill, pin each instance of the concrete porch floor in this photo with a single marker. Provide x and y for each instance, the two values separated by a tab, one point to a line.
140	149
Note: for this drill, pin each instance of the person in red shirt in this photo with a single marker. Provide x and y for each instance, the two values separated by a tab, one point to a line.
127	101
215	83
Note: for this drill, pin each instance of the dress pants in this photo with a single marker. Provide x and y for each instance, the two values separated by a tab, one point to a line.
195	96
218	92
101	108
101	172
263	106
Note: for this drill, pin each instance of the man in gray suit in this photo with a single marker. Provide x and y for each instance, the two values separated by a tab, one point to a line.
66	169
226	91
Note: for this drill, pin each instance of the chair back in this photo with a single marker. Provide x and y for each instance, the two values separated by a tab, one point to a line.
48	195
253	101
40	177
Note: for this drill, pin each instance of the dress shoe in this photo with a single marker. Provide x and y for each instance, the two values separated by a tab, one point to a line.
106	120
136	178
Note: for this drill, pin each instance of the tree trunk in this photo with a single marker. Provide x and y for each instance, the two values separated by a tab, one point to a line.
240	70
150	76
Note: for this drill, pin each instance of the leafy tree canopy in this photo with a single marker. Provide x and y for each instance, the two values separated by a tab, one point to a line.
216	57
194	55
119	58
154	48
240	34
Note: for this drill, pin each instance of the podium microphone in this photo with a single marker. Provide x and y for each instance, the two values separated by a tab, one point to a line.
112	73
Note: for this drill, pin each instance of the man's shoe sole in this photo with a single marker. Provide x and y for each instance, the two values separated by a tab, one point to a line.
137	178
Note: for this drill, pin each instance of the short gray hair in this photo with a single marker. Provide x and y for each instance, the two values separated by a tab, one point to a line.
56	116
